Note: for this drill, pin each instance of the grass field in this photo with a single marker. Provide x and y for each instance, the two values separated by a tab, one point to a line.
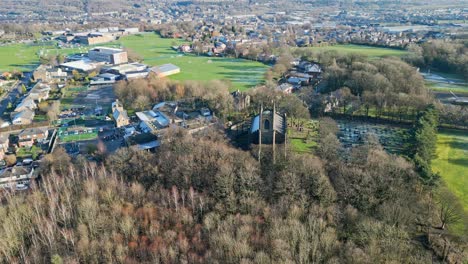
156	51
25	57
302	135
452	164
445	82
372	52
71	138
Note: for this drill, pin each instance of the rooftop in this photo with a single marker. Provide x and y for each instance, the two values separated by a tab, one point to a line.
107	50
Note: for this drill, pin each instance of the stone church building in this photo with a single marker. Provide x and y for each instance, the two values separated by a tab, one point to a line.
271	125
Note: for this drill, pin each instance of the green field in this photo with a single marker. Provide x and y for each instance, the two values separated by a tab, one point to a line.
302	135
452	163
156	51
72	138
447	87
445	82
25	57
372	52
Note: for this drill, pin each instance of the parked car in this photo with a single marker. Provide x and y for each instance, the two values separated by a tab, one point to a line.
205	112
27	161
5	124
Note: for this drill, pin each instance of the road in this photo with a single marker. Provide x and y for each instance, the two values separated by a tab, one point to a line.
13	93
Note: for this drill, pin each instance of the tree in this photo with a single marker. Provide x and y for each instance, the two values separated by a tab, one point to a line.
76	75
345	97
43	106
61	58
327	126
53	111
329	147
450	210
423	143
10	160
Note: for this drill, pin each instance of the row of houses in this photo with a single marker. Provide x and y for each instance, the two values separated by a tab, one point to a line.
24	112
26	139
304	73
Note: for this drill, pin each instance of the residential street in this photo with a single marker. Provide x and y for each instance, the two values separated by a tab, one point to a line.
11	96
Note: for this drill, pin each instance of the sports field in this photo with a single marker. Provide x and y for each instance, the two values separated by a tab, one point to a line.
372	52
18	57
156	51
25	57
452	162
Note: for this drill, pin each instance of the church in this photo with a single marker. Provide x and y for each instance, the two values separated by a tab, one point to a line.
268	127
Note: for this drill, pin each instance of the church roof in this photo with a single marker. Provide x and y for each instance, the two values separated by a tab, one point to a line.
279	122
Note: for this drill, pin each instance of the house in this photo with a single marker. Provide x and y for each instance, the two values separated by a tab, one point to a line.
165	70
39	92
28	137
4	144
151	121
10	177
313	69
26	103
295	81
241	100
7	75
271	125
286	88
119	114
24	117
49	74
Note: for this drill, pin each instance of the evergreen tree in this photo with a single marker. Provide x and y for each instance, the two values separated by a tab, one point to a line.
424	140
